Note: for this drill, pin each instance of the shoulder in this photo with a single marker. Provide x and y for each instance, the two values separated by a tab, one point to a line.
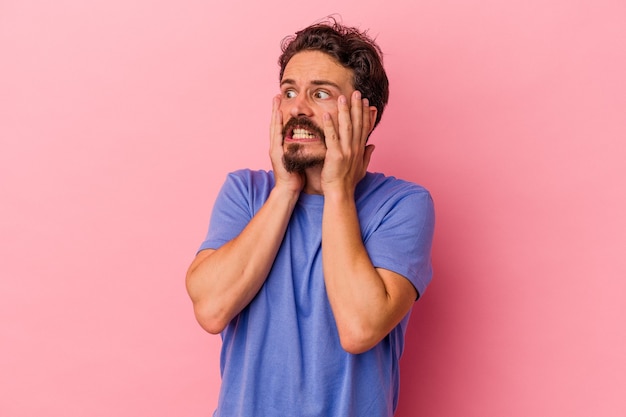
250	187
250	181
252	177
382	187
384	199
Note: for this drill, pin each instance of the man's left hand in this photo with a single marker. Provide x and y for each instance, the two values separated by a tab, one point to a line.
347	155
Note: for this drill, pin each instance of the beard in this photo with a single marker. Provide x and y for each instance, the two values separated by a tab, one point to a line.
295	159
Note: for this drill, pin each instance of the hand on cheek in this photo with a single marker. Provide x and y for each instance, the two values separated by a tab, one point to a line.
347	156
291	181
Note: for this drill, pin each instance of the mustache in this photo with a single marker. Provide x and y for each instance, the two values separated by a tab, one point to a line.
304	123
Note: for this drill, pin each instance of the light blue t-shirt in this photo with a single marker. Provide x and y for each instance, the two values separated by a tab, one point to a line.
281	356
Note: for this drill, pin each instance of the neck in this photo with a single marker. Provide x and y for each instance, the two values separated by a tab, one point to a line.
313	184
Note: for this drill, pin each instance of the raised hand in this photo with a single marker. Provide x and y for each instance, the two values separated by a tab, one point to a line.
347	155
291	181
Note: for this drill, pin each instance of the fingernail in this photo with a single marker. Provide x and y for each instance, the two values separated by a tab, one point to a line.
357	95
342	100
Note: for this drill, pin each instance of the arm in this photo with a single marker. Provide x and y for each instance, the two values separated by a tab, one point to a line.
367	302
222	282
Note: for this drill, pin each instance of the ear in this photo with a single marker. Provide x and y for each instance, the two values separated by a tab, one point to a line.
373	113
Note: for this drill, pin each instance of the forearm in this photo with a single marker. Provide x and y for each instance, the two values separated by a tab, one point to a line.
357	294
223	282
367	302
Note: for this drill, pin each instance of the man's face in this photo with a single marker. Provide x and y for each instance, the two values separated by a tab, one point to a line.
311	84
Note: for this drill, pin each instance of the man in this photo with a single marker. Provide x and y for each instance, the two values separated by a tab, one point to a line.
309	272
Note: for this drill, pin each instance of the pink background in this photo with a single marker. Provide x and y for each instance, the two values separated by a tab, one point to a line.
119	120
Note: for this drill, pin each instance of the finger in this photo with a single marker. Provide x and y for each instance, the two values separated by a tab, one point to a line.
356	116
345	122
276	125
330	134
367	122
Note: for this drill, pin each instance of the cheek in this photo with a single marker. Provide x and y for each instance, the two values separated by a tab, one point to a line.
330	108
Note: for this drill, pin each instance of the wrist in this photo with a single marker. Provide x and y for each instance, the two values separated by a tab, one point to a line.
338	189
338	194
285	192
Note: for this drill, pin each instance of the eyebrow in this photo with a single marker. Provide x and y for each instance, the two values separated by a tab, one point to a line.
314	82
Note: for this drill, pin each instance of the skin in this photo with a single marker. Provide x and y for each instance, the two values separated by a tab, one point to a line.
367	302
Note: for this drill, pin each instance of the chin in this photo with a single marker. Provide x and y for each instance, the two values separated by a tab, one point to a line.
297	159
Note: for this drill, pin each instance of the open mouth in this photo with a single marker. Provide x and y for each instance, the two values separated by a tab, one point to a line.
299	133
302	129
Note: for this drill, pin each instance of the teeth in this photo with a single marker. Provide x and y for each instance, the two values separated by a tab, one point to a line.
302	134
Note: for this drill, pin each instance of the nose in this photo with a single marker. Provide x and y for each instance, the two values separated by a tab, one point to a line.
301	106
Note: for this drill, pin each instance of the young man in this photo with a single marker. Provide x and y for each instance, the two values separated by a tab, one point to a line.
309	271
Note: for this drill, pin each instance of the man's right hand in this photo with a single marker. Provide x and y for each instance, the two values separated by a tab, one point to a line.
222	282
291	181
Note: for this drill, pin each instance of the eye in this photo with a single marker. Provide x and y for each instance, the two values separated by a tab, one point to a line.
289	94
321	94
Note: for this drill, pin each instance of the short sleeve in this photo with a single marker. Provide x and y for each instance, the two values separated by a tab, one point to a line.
244	192
402	239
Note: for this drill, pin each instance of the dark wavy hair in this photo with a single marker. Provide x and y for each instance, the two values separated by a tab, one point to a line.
351	48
